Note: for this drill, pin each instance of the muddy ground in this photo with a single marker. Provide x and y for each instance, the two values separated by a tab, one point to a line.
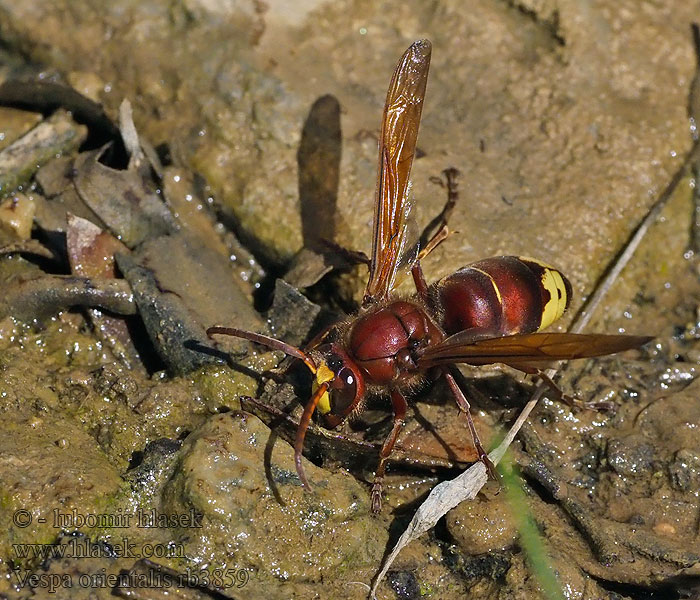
254	135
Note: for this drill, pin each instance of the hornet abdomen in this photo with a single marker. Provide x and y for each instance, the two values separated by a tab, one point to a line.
503	295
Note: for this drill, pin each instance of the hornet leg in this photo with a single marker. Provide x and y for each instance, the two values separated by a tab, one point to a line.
464	406
571	400
428	243
398	403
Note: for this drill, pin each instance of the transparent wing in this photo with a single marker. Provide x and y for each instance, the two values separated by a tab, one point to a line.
528	349
397	145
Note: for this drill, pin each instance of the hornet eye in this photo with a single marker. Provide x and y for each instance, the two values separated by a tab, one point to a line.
343	391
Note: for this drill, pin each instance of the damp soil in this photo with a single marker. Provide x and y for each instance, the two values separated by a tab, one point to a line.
129	463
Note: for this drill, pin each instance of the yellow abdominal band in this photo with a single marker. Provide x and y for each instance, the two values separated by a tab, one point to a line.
553	282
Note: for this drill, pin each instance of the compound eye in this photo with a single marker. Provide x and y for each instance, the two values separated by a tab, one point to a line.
343	391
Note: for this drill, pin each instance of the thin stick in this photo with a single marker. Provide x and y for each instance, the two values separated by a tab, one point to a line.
603	285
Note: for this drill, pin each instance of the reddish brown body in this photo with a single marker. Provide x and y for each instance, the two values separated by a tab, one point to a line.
383	343
503	295
494	297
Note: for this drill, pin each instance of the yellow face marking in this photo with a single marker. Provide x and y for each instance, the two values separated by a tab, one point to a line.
323	375
553	282
324	403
